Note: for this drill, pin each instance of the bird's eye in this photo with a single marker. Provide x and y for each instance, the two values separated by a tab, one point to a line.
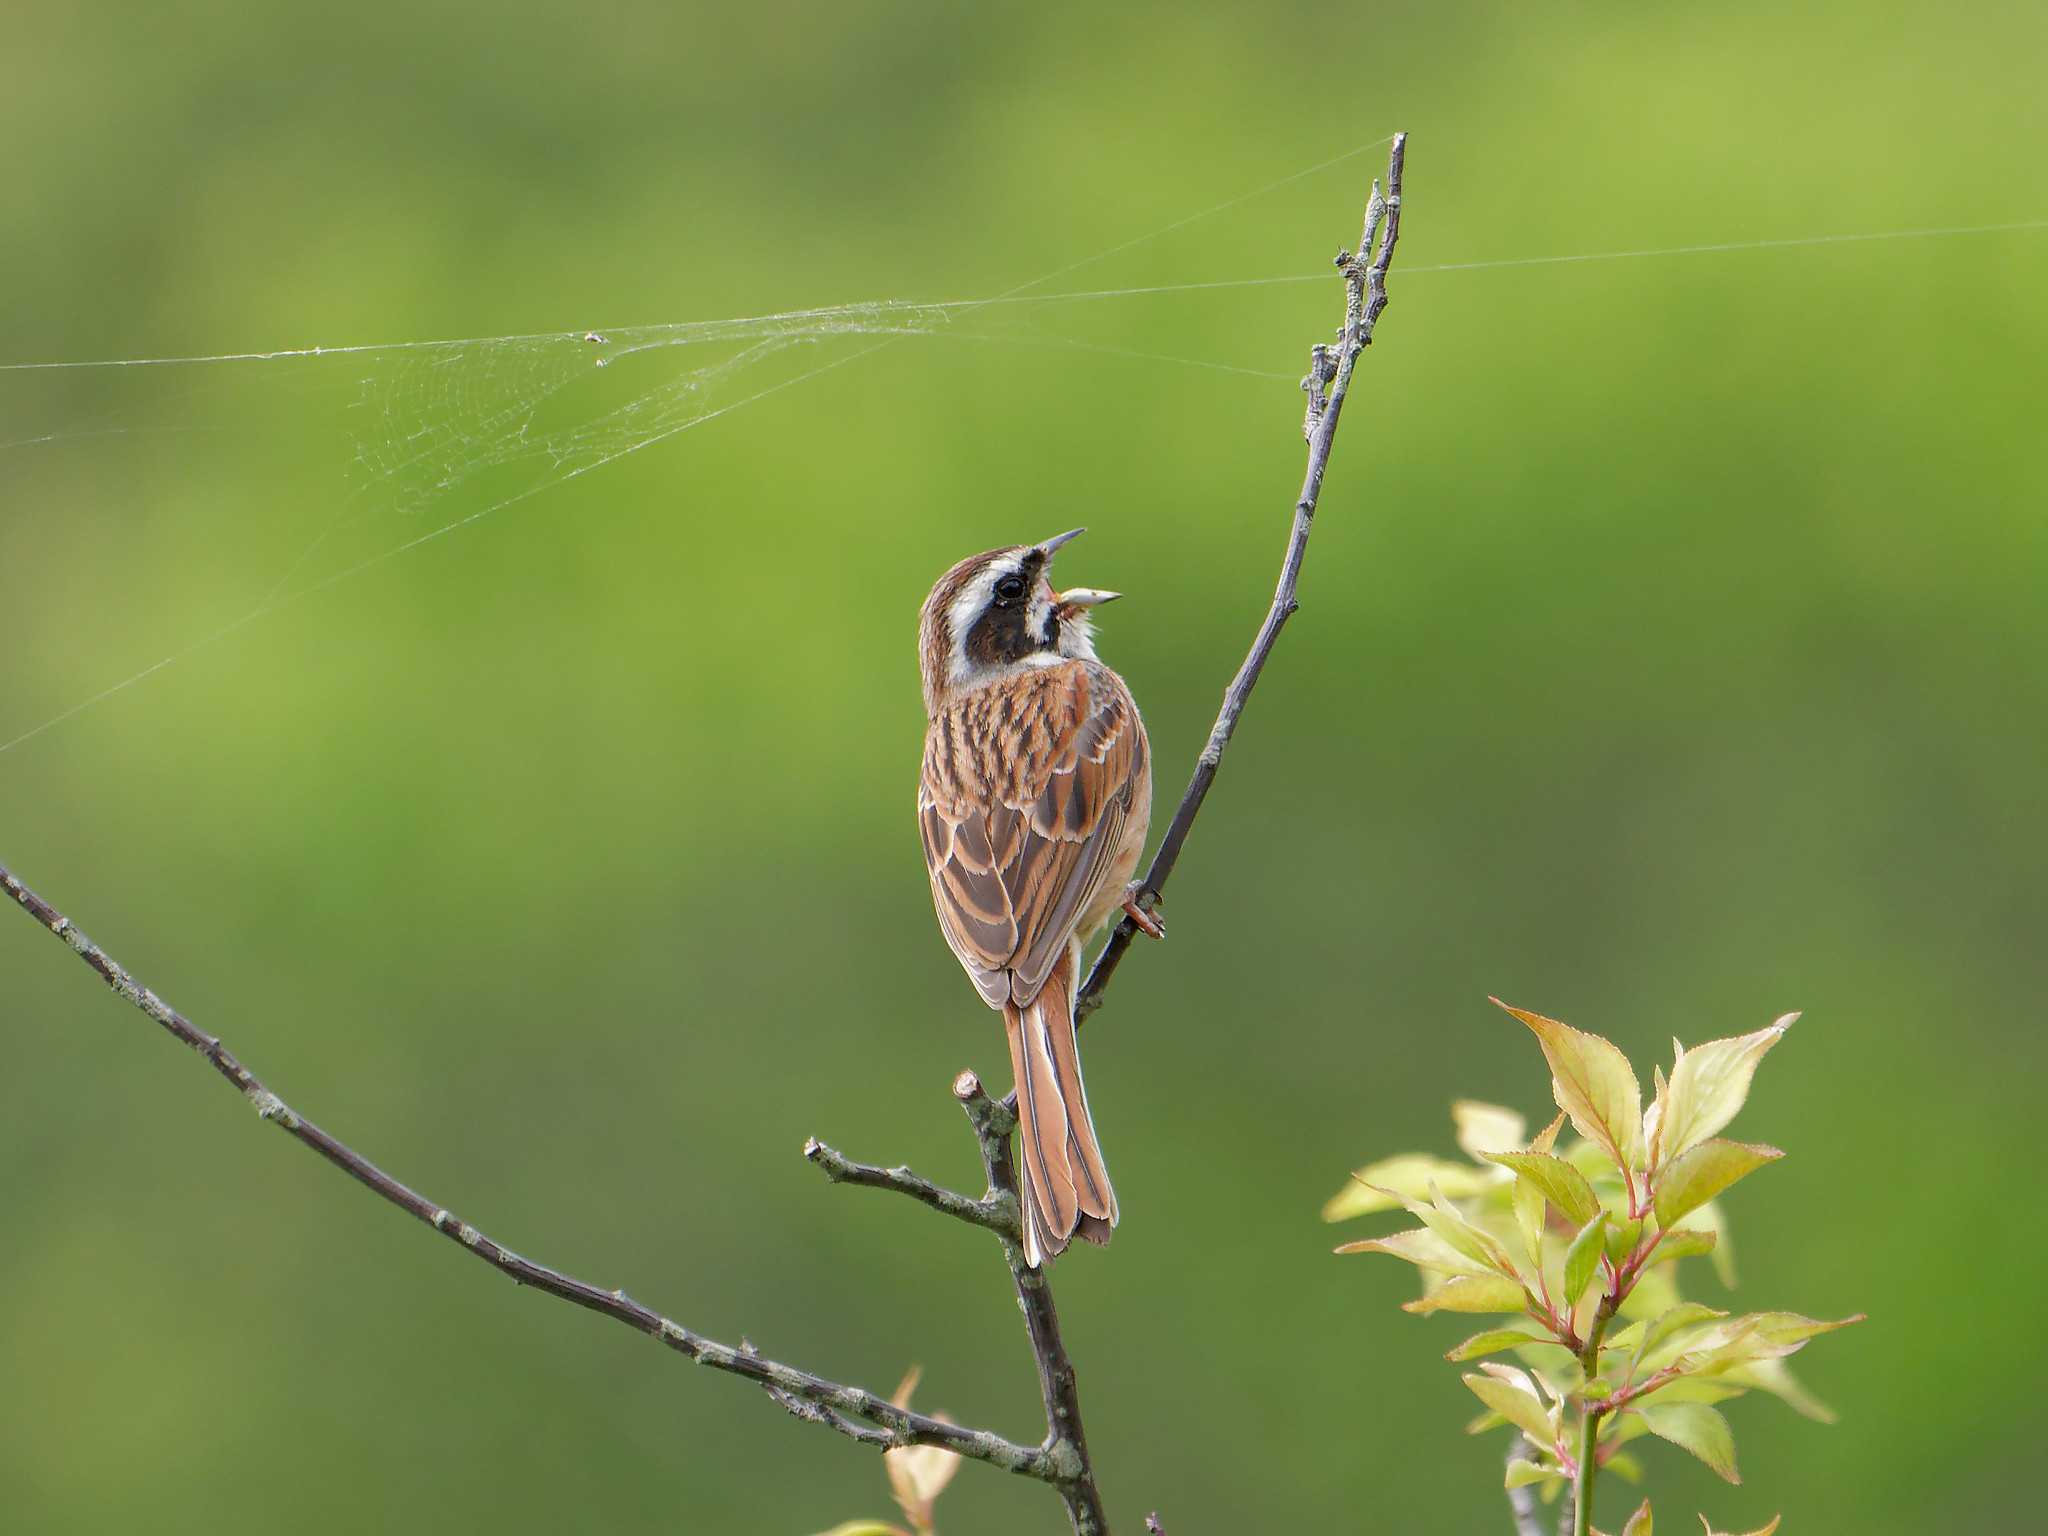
1009	589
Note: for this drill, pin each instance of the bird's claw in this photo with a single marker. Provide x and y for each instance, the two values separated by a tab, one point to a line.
1145	921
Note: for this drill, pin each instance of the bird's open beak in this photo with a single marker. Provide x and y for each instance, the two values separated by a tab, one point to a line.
1051	545
1086	597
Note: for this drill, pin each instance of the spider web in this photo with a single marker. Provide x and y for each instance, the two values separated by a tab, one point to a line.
485	423
507	417
428	438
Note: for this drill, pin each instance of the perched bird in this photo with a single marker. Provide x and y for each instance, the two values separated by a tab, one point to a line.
1033	803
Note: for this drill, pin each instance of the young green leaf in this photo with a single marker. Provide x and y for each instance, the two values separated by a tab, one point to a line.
1471	1293
1696	1176
1477	1244
1491	1342
1551	1390
1557	1180
1531	1215
1583	1257
1593	1083
1620	1429
1420	1247
1484	1128
1516	1402
1722	1348
1626	1339
1683	1243
1748	1340
1690	1344
1748	1353
1794	1329
1528	1203
1668	1324
1622	1237
1594	1161
1528	1200
1696	1427
1522	1473
1639	1523
1382	1186
1708	1084
1776	1378
1694	1389
1465	1235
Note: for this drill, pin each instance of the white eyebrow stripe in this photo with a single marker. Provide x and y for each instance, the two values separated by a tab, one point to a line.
966	608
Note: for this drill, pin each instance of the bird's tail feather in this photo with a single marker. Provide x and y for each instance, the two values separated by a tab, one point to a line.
1064	1186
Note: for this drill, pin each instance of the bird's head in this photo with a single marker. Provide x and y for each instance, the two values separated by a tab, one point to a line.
997	611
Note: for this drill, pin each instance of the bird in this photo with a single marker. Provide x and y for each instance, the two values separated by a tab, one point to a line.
1033	801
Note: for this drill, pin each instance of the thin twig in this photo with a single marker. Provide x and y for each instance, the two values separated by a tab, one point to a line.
1365	284
1365	296
838	1404
811	1413
841	1169
1064	1453
1066	1446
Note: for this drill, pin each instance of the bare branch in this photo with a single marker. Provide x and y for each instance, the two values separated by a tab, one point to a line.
838	1404
1066	1447
811	1413
1065	1450
1365	284
843	1170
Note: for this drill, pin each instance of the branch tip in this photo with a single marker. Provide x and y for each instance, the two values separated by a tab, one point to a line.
1365	294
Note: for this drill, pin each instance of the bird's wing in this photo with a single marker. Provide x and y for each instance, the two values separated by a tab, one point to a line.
1022	803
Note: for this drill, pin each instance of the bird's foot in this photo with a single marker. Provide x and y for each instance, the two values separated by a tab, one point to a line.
1147	922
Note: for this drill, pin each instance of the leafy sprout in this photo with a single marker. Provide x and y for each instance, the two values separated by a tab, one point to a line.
1579	1246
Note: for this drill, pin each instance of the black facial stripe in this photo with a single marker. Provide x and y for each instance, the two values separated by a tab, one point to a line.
999	636
1002	633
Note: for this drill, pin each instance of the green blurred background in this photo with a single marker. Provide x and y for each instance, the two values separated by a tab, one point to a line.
1670	655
